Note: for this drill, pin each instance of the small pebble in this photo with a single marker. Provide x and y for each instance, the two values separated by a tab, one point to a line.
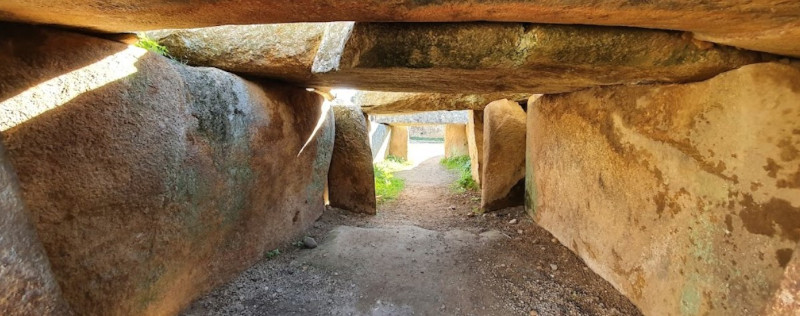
554	267
309	242
519	231
513	221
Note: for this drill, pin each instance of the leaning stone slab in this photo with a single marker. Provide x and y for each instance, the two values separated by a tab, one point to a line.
282	51
764	25
422	118
351	180
514	57
475	144
503	170
686	197
380	102
151	182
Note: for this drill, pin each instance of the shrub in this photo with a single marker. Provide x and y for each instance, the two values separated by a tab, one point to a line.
462	165
152	45
387	186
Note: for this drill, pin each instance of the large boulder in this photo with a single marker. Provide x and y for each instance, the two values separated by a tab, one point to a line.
380	102
351	181
398	142
514	57
475	144
455	140
27	284
766	25
686	198
284	51
503	171
150	182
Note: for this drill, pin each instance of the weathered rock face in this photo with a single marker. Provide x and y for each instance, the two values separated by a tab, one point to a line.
27	282
475	144
398	142
455	140
149	182
685	197
284	51
514	57
503	172
378	102
423	118
351	181
766	25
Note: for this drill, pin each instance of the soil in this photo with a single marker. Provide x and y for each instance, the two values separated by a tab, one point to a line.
425	253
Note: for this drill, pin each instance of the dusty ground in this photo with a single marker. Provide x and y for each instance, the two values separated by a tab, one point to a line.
425	253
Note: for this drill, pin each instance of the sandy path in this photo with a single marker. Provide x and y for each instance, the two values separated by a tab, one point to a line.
421	255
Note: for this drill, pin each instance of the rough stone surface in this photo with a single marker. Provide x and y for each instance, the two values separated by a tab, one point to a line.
398	142
455	140
766	25
27	284
516	57
422	118
379	102
475	144
150	182
685	197
503	172
786	300
284	51
351	180
378	135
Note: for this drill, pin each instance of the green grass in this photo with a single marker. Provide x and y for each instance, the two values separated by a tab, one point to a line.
461	164
152	45
387	186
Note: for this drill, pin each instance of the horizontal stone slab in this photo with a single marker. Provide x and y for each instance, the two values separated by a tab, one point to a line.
514	57
283	51
397	102
765	25
422	118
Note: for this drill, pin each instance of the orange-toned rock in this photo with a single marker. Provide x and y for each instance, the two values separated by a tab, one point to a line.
455	140
686	198
150	182
503	170
351	180
475	144
765	25
398	142
27	284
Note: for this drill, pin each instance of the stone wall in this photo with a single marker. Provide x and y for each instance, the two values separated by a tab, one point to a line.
27	284
150	182
685	197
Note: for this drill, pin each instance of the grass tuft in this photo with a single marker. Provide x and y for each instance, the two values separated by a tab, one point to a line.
387	186
462	165
152	45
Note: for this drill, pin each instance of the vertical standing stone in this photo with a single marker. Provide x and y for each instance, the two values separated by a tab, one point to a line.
27	285
475	144
398	142
685	197
351	180
503	156
455	140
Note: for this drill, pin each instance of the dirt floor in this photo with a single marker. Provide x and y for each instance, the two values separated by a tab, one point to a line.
426	253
